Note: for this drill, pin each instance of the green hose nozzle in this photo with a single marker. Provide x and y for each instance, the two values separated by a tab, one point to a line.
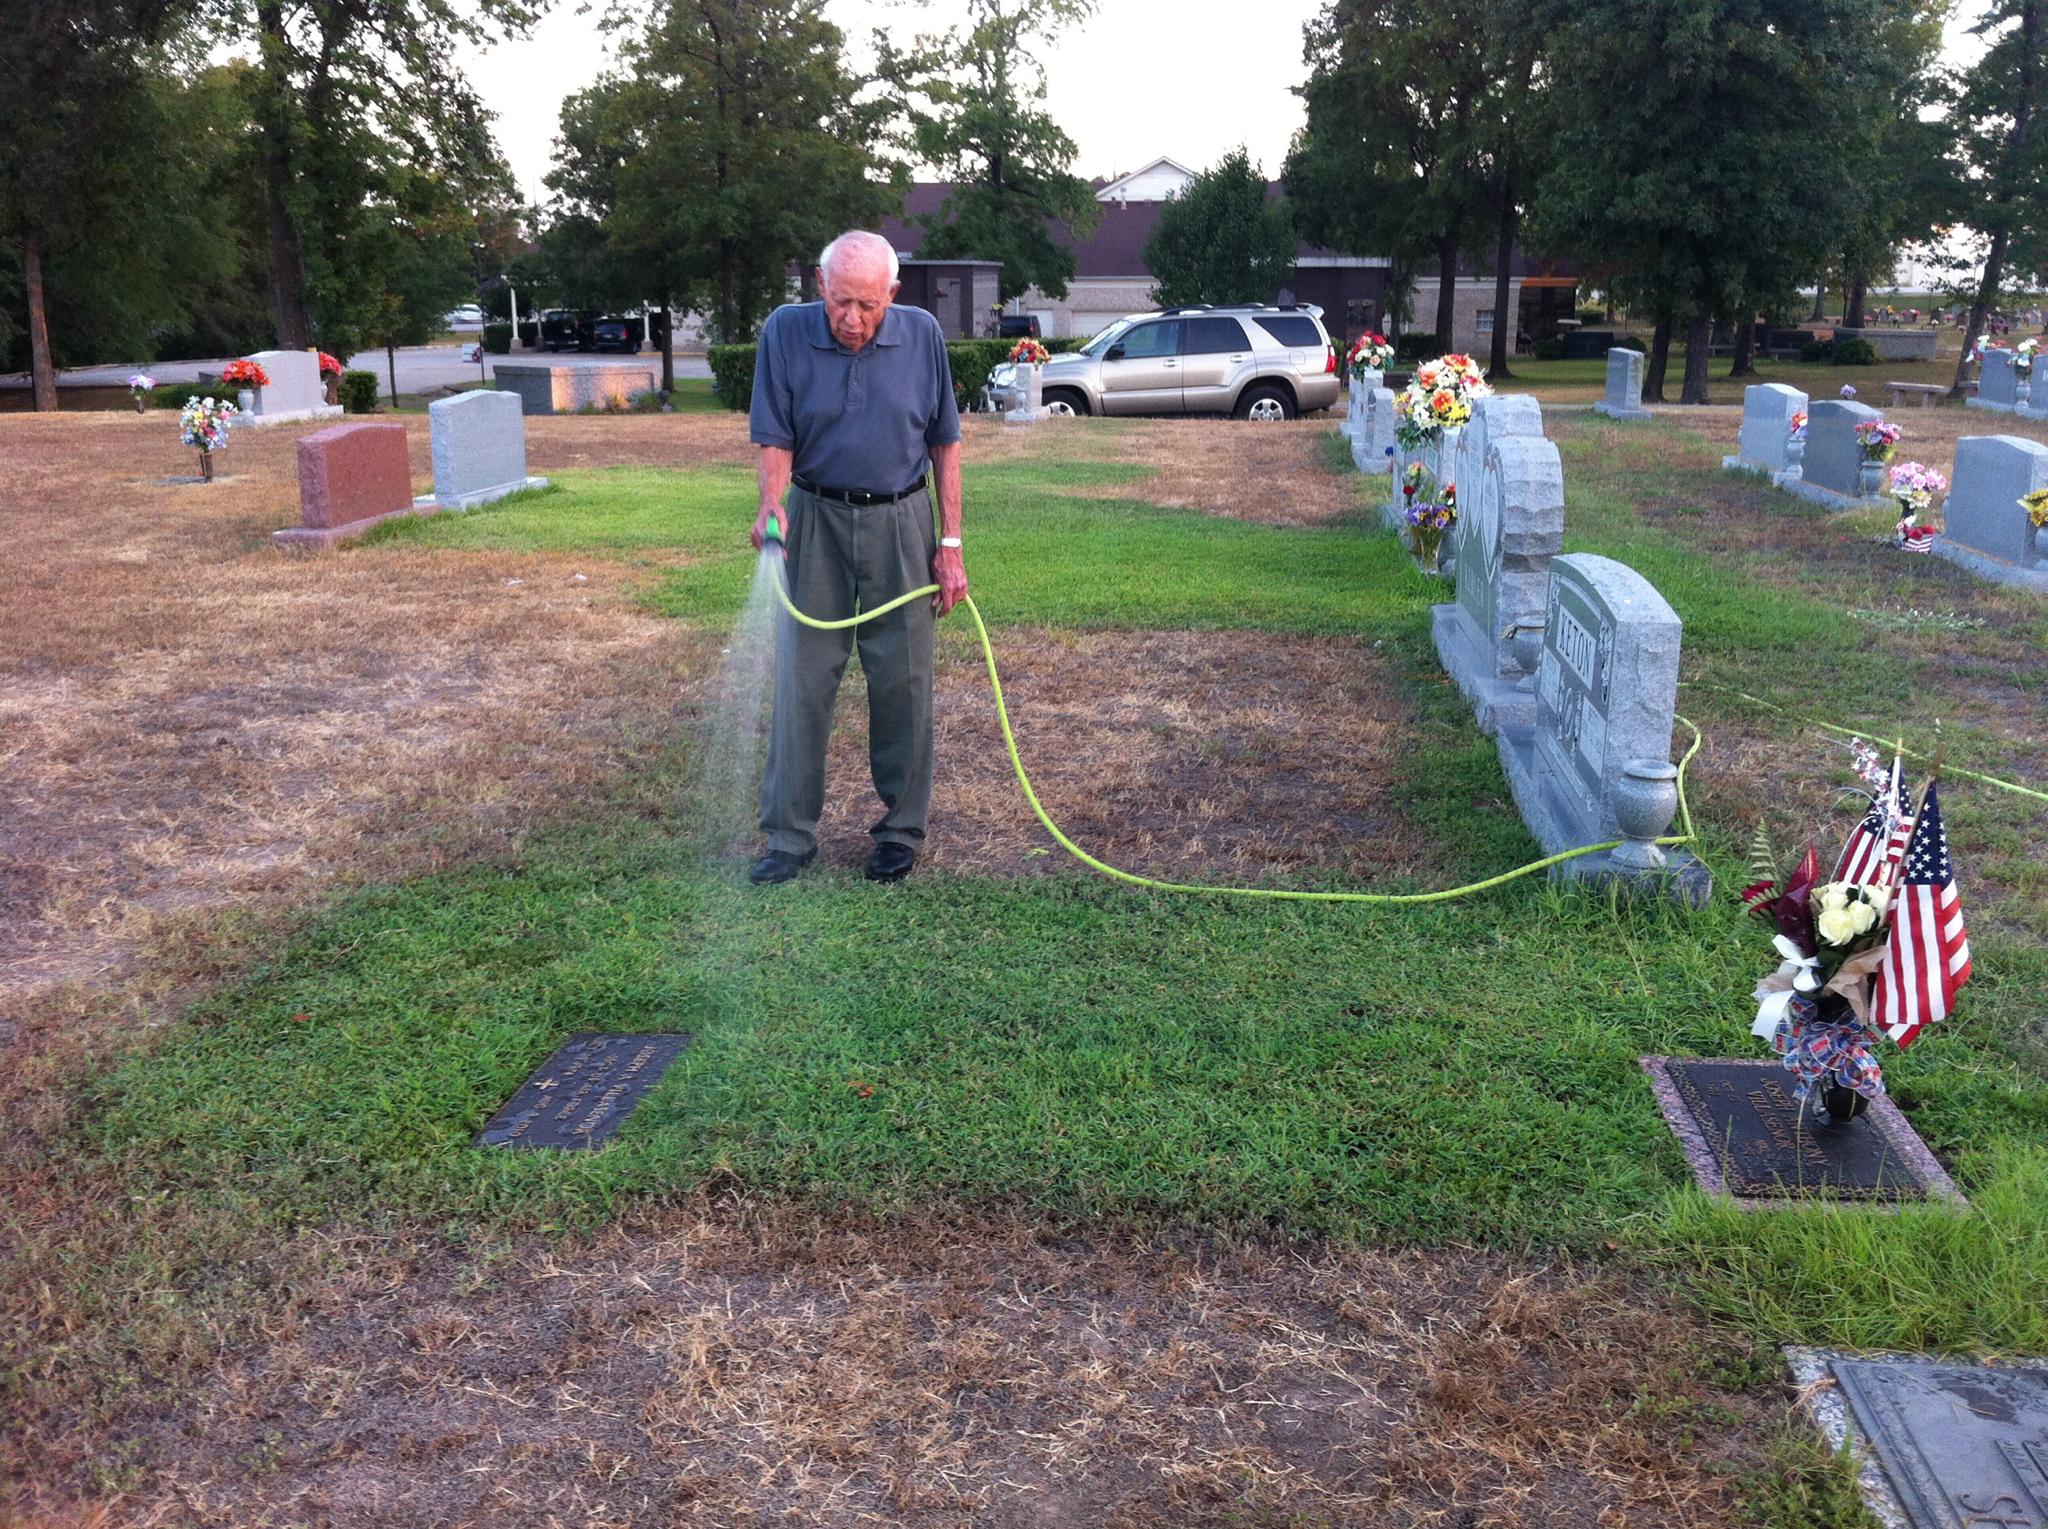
771	533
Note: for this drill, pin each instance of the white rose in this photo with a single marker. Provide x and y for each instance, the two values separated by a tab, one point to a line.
1833	894
1878	897
1863	916
1836	925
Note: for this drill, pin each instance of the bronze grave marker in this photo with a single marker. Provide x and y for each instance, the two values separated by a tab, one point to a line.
582	1094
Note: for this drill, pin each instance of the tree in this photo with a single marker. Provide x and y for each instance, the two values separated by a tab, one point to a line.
1684	124
1514	134
1220	240
1386	161
2004	144
979	126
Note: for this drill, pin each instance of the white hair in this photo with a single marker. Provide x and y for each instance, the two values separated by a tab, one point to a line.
859	239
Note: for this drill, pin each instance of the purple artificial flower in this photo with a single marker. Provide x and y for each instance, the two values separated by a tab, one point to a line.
1848	391
1390	451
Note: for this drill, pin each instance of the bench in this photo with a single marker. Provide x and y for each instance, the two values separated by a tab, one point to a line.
1926	392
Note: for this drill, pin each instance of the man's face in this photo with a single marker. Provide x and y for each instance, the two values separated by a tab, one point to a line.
857	294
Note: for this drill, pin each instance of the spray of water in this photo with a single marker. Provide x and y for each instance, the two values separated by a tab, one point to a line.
728	794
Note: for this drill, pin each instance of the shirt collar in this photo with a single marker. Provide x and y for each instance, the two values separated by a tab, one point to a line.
891	332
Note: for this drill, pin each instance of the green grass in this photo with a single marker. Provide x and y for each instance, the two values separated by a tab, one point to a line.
1464	1072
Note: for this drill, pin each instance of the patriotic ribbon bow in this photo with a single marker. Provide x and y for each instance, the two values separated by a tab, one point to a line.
1814	1052
1797	975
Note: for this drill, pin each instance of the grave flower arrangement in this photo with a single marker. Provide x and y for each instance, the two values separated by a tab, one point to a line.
1438	398
1370	352
330	366
1797	432
2036	506
247	373
2023	355
1028	352
1876	949
1916	487
1878	437
203	423
140	386
1430	511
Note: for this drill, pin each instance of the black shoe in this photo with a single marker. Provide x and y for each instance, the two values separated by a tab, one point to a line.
779	865
890	861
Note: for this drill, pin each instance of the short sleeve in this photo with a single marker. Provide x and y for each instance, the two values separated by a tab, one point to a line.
769	421
944	428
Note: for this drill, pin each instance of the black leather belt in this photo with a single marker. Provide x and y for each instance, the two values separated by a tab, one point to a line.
855	495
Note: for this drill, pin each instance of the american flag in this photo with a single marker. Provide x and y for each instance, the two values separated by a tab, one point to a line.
1928	957
1876	843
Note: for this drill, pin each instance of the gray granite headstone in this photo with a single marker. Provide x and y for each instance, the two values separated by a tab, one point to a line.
295	391
1375	431
1894	344
1606	688
1963	1446
1510	526
1624	398
1832	469
479	449
1998	383
545	389
1985	529
1765	443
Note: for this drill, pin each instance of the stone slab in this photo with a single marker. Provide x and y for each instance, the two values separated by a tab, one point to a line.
326	538
296	391
1708	1155
579	1097
1895	344
1606	687
1831	468
544	389
1984	528
479	446
1624	398
349	473
1764	445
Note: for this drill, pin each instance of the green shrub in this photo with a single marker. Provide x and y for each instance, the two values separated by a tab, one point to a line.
1419	346
175	395
498	339
1854	351
359	392
529	333
1550	350
1817	350
647	401
1592	315
732	375
1632	342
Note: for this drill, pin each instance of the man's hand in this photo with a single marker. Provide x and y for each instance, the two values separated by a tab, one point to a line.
949	571
760	531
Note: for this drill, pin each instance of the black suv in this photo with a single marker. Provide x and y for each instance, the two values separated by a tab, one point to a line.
564	329
1018	326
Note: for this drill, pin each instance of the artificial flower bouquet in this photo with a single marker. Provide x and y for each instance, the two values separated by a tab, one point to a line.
1429	513
1438	398
2023	355
246	373
330	366
140	386
2036	506
1916	487
1370	352
1878	437
203	423
1797	429
1878	948
1028	352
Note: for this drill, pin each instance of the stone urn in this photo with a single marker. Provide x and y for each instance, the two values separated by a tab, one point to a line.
2023	390
1645	800
333	388
1795	456
245	400
1870	478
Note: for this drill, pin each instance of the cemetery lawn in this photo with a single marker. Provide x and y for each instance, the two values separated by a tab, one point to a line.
1426	1122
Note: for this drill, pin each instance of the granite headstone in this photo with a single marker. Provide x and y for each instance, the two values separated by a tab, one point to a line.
1998	384
1624	398
1596	764
564	389
479	449
1375	432
350	478
1832	469
1765	443
295	390
1510	526
1986	530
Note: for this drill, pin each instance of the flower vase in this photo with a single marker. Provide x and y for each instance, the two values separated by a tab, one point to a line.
1795	456
1832	1106
2023	390
205	465
141	404
1870	477
2032	554
333	389
246	402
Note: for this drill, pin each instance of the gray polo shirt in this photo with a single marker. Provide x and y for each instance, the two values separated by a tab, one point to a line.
862	419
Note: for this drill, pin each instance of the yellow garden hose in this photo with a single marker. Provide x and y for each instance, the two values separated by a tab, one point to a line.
1102	867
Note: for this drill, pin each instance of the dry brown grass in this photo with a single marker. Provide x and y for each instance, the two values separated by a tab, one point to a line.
730	1366
1275	474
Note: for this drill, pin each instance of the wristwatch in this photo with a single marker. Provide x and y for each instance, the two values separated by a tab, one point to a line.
949	541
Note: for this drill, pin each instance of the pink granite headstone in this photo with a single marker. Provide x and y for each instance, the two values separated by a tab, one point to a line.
350	477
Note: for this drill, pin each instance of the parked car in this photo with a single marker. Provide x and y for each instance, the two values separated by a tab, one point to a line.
1018	326
468	316
1254	361
613	333
565	329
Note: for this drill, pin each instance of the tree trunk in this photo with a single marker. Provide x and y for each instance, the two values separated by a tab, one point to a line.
1744	364
287	264
43	376
1610	302
1446	291
668	351
1699	343
725	294
1852	302
391	361
2015	147
1505	323
1659	358
1820	300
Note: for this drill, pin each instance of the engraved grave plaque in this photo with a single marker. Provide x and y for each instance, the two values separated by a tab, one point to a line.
1964	1446
584	1092
1766	1148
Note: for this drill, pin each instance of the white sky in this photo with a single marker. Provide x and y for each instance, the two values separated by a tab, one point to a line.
1187	78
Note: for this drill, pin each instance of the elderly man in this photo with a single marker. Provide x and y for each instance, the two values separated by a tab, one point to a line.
853	406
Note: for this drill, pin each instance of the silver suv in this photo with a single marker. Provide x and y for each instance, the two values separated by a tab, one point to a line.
1253	361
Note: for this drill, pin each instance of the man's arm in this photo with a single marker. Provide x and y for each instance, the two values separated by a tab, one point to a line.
949	568
777	463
